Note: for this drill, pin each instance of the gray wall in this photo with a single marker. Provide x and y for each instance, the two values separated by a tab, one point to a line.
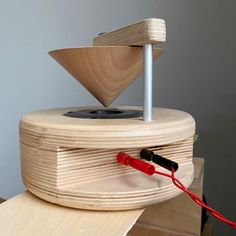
195	74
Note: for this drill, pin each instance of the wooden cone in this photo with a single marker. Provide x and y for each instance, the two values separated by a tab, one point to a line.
104	71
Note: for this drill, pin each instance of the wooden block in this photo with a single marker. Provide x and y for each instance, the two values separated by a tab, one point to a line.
208	229
144	230
150	30
176	217
27	215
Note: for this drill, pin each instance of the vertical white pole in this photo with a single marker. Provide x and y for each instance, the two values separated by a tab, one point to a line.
148	61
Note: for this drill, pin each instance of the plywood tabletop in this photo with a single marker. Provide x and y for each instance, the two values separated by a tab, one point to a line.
27	215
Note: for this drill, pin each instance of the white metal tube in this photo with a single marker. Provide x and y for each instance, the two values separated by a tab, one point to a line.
147	64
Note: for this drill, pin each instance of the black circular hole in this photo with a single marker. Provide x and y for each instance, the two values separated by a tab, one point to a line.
104	114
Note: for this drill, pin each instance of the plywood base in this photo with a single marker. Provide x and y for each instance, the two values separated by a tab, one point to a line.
49	129
72	161
131	191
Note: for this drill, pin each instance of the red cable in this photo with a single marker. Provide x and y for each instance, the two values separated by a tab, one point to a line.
149	169
179	185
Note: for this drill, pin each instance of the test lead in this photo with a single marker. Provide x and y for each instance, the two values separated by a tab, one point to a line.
159	160
127	160
137	164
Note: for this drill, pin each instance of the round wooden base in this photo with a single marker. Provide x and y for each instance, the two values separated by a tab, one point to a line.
51	128
72	161
132	191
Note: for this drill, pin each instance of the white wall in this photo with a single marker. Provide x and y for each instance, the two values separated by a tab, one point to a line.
195	74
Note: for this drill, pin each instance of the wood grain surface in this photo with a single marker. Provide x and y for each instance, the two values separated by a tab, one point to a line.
72	161
150	30
50	129
123	192
92	179
67	166
27	215
104	71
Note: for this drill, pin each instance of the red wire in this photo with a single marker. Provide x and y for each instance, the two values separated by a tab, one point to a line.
179	185
149	169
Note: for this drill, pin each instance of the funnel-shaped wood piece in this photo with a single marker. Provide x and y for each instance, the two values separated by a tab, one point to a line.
104	71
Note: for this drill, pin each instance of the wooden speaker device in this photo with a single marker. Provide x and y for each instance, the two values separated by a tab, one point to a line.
69	155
